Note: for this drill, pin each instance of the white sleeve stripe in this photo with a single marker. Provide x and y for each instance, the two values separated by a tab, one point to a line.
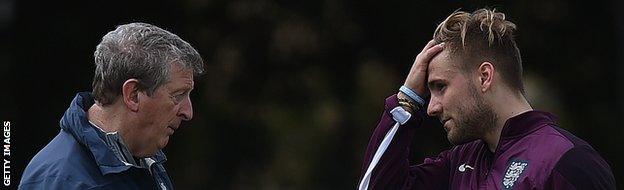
399	115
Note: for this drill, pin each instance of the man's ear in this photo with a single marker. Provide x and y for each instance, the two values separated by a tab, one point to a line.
486	75
130	94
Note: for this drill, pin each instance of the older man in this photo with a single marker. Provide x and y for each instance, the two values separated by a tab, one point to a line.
112	138
473	71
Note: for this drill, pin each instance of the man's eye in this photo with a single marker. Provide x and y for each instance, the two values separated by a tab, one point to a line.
439	86
177	98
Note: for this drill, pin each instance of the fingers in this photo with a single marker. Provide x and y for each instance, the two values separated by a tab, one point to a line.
422	60
429	44
431	52
418	73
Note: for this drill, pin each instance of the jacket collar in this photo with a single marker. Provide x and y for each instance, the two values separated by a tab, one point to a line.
76	123
525	123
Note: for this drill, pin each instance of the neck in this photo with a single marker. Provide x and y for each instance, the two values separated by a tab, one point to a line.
505	108
110	119
104	117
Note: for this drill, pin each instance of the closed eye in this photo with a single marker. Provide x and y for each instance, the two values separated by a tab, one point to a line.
178	97
437	86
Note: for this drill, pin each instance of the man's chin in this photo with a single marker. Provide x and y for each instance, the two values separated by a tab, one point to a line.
459	140
164	143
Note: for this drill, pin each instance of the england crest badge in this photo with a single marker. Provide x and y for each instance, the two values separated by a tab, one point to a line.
515	168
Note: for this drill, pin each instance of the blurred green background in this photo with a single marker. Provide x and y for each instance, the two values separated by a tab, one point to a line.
293	89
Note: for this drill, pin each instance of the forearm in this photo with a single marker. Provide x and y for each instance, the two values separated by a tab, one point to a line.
386	163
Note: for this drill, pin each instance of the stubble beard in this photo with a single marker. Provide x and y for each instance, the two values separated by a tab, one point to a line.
477	120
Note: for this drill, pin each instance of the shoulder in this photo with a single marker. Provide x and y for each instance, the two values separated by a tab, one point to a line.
60	162
577	163
544	146
583	168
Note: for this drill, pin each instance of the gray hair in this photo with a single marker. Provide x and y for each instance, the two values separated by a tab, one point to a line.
141	51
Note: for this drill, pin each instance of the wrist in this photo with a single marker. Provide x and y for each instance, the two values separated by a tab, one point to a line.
402	95
416	87
413	96
407	103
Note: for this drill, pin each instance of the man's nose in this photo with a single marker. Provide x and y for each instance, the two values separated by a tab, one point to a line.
434	107
186	109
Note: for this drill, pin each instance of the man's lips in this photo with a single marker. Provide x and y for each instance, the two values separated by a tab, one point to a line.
173	128
444	123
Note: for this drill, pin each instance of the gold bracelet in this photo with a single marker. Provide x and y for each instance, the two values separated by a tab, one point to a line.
409	104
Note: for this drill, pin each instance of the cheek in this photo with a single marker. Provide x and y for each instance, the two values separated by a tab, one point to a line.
160	107
156	114
452	103
463	109
461	98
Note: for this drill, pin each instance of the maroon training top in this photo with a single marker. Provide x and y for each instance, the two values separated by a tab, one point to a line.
533	153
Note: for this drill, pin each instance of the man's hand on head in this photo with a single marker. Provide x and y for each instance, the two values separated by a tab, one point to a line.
417	77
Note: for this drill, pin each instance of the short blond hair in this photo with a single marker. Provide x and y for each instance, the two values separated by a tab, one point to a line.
483	35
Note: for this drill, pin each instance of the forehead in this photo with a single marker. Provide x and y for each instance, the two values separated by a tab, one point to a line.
180	78
441	66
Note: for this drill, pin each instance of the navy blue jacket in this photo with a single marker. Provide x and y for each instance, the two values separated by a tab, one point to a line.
79	158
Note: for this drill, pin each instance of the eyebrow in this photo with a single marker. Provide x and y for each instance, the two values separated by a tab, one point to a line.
183	89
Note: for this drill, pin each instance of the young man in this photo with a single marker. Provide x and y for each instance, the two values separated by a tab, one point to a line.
112	138
472	69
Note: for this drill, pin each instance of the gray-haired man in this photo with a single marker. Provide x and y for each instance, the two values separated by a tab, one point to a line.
112	138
